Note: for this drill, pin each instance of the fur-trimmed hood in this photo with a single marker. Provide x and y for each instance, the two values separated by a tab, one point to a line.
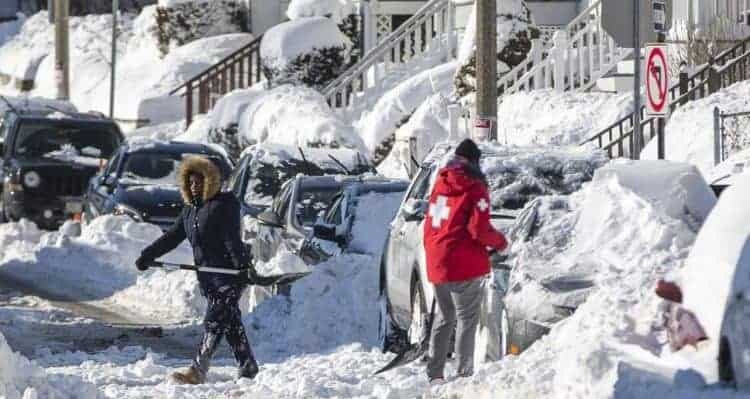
202	166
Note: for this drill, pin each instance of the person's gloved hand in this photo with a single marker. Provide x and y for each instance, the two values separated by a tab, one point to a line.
142	263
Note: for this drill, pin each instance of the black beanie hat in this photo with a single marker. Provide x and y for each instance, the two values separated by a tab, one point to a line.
469	150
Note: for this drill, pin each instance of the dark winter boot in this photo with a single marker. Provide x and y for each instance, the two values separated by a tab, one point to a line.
248	370
191	376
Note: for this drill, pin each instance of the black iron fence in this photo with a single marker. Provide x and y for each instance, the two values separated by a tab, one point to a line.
731	134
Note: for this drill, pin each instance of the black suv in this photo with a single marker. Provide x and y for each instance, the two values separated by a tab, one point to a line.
47	161
141	181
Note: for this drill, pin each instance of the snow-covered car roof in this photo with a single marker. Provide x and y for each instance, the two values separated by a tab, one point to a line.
517	175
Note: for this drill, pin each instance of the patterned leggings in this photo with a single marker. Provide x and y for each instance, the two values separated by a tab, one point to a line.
223	318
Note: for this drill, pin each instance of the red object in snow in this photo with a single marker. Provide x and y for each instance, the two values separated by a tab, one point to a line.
669	291
457	229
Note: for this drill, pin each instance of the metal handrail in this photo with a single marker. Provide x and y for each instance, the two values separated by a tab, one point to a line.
251	46
389	43
698	84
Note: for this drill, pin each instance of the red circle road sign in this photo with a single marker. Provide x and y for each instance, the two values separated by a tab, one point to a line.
657	82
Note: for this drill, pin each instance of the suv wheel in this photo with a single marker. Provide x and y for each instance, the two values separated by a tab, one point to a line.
418	325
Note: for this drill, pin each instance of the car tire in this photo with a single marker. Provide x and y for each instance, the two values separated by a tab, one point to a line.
419	317
726	370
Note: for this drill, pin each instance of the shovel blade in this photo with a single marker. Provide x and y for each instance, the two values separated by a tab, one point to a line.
278	279
410	354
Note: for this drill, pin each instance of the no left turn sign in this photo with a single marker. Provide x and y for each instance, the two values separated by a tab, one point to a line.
657	80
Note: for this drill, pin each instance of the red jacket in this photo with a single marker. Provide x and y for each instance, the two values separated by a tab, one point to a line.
457	229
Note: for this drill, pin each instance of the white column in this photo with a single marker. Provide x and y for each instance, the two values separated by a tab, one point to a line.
560	40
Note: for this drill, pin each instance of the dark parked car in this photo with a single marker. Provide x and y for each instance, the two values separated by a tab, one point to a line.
141	181
516	176
47	161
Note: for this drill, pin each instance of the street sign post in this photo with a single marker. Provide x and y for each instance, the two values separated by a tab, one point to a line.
657	80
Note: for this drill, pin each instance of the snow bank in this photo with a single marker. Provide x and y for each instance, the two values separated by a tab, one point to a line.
401	102
296	116
98	265
20	56
567	118
628	240
35	104
689	133
20	378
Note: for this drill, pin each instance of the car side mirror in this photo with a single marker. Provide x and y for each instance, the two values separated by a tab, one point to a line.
415	210
270	218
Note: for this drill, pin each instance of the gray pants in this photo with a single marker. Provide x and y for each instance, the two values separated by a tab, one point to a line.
462	301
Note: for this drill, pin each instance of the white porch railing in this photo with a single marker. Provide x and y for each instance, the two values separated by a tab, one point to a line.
433	26
580	54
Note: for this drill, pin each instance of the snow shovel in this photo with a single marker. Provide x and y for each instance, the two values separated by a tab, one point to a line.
249	279
413	351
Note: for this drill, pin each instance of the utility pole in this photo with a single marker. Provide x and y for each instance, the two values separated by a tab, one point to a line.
115	8
62	64
636	141
486	54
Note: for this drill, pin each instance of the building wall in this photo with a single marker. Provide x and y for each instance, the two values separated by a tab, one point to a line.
553	12
8	9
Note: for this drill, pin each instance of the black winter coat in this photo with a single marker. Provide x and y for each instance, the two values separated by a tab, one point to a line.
213	229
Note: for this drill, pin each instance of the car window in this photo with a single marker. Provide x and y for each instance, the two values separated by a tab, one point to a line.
312	201
66	141
333	213
281	202
421	184
4	126
154	167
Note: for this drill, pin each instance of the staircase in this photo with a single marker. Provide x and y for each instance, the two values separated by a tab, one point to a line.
729	67
580	54
238	70
429	32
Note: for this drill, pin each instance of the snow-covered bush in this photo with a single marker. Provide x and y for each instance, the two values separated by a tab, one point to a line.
307	51
180	22
515	30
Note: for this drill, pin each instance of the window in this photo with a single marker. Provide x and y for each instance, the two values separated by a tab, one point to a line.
421	184
312	201
50	139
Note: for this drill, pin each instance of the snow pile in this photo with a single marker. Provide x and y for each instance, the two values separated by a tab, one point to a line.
567	118
296	116
98	265
400	103
627	238
20	56
309	51
335	305
144	75
287	41
20	378
689	133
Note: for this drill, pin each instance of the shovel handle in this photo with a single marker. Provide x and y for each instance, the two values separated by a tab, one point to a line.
205	269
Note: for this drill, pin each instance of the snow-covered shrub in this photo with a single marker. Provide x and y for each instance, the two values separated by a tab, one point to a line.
515	30
178	23
307	51
296	116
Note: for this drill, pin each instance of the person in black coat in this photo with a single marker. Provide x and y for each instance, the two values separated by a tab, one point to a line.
210	220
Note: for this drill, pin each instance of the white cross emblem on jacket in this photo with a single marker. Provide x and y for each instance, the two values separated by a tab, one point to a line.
483	205
439	211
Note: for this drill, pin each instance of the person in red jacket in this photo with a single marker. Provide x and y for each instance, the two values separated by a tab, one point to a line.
457	233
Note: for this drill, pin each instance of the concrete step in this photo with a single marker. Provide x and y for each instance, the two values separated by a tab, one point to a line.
616	83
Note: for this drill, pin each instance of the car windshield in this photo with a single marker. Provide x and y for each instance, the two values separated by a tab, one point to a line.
152	168
63	140
312	201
